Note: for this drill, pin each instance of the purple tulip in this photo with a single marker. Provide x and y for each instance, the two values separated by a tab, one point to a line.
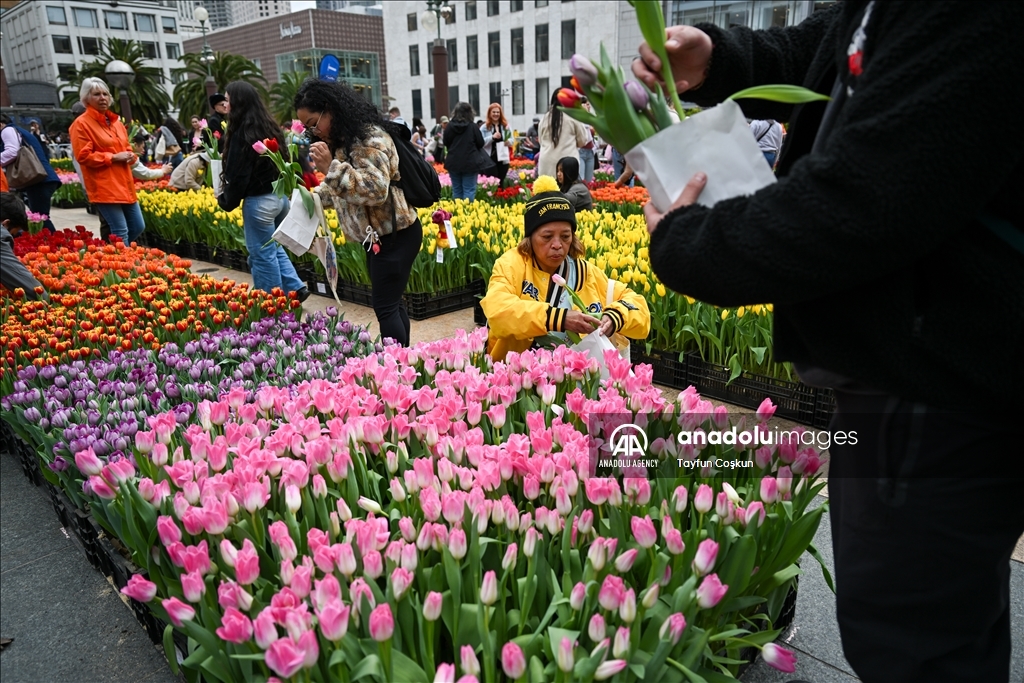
637	95
584	70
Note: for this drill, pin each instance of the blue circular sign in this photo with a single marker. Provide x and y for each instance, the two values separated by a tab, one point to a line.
329	67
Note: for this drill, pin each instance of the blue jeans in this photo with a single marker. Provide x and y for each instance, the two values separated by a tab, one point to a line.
125	220
619	165
463	185
770	158
269	263
587	164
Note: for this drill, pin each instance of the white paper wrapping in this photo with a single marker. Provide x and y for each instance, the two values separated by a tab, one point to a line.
215	169
298	228
718	142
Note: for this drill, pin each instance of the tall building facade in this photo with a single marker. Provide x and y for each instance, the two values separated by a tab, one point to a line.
48	41
246	11
514	52
357	6
756	14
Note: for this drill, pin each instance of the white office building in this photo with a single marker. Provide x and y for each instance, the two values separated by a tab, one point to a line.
513	52
245	11
47	41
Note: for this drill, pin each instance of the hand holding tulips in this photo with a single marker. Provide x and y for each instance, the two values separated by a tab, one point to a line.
689	54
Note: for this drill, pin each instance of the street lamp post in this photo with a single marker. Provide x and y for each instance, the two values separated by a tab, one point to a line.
202	16
437	10
121	75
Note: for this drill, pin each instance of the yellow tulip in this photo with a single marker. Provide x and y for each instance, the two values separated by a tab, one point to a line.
725	313
660	289
740	311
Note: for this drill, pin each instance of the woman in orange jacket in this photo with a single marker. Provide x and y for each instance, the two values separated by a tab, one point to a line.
99	143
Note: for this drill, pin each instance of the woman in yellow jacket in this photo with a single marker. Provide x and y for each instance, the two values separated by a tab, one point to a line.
523	302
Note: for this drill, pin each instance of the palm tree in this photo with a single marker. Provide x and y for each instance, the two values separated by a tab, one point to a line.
283	95
191	94
149	101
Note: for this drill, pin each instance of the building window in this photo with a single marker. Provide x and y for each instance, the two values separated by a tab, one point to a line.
430	58
453	96
470	10
541	3
543	94
86	18
173	51
88	46
568	38
540	41
433	104
116	20
178	76
453	55
66	72
493	8
567	81
414	60
145	23
417	104
62	45
410	20
474	96
472	53
451	17
170	26
494	48
495	92
516	6
56	15
518	50
518	98
150	49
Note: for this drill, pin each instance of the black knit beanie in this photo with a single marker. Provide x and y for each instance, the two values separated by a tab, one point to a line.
548	207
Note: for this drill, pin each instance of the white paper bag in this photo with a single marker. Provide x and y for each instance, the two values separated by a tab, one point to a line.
215	169
718	142
298	228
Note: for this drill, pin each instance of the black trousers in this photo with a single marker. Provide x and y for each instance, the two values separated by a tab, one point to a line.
925	509
389	274
38	199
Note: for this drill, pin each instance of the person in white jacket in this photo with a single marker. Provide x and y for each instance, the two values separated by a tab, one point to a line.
140	171
560	136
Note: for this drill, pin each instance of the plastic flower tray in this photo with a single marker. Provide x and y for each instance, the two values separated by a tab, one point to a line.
202	252
424	305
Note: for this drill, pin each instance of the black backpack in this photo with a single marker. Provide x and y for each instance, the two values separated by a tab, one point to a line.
419	182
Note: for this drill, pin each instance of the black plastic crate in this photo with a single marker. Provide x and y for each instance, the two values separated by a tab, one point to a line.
669	371
824	408
422	305
29	462
793	400
202	252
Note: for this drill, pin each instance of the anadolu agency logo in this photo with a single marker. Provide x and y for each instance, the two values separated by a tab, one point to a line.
625	442
625	451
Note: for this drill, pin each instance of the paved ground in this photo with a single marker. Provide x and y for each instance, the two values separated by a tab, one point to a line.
68	623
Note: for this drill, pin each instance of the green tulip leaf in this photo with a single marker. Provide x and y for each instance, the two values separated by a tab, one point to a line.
790	94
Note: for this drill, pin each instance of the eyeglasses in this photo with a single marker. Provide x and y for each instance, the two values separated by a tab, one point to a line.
313	128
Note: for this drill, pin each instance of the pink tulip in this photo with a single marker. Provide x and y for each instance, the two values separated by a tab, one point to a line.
297	127
88	463
284	656
168	530
577	597
215	518
627	610
310	647
489	589
230	594
333	619
624	562
432	606
382	624
468	661
301	580
445	673
673	627
610	668
101	488
457	543
769	490
196	558
509	561
674	542
704	560
193	586
784	480
373	564
139	588
755	512
621	645
247	564
228	552
235	627
262	149
564	656
765	410
643	531
711	591
679	498
612	592
177	611
586	522
704	499
724	508
779	658
264	628
401	579
496	415
596	629
513	661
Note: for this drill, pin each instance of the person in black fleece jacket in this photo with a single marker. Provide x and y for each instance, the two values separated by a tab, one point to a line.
891	249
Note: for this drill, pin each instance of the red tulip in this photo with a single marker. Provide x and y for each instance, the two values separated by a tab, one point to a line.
569	98
271	144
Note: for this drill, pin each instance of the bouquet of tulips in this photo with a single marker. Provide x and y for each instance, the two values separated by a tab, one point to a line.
628	114
291	171
211	139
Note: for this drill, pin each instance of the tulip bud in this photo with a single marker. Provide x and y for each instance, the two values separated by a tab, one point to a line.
637	95
292	498
704	560
578	595
583	70
711	591
513	661
564	656
673	627
569	98
467	658
704	500
370	505
779	657
621	646
457	544
596	555
627	610
489	589
319	486
586	522
624	562
530	544
650	596
432	606
596	629
397	492
509	561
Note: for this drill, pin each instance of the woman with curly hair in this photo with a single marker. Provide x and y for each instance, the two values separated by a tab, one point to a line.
358	158
250	176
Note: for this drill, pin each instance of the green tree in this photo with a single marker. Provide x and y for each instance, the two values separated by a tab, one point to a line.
282	95
149	101
190	94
